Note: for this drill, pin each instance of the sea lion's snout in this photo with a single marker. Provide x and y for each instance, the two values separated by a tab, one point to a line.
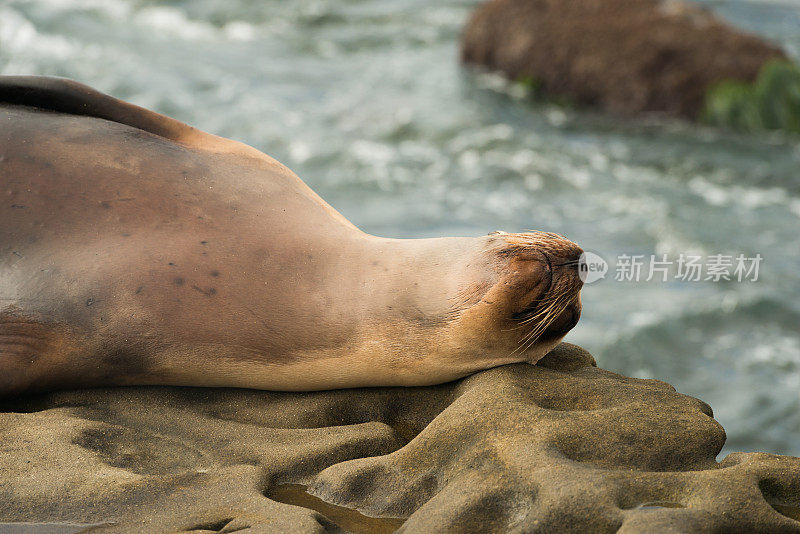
562	253
543	285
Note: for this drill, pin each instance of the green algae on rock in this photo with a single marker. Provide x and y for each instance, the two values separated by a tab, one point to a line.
771	102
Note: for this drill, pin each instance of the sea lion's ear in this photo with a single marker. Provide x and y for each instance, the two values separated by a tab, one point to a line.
66	96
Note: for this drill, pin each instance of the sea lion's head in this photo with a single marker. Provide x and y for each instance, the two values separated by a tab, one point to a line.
543	284
527	301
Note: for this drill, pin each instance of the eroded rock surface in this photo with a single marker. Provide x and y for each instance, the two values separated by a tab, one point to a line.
625	56
562	446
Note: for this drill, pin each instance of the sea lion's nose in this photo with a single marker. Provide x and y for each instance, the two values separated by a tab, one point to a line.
562	252
570	261
567	267
571	254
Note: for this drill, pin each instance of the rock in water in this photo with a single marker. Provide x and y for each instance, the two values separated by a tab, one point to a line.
625	56
562	446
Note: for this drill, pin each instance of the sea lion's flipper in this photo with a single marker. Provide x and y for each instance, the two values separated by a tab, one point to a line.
66	96
62	95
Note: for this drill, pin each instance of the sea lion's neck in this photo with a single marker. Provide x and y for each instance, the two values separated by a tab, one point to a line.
427	278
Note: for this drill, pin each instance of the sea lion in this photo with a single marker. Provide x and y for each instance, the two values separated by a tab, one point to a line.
135	249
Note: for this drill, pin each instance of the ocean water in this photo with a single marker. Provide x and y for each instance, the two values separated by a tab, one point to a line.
366	101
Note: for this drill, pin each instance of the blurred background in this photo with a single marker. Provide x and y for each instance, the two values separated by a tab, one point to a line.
367	102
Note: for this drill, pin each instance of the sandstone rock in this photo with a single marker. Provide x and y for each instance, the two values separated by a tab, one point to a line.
625	56
562	446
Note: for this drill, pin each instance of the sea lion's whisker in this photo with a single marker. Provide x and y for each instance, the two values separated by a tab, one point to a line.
534	334
544	311
550	300
539	314
553	297
554	312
